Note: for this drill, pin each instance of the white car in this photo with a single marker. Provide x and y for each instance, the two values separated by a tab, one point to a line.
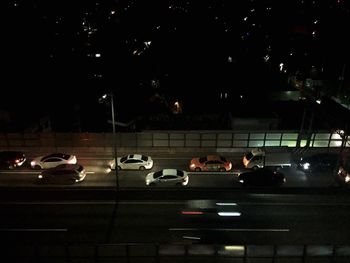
167	177
53	160
133	162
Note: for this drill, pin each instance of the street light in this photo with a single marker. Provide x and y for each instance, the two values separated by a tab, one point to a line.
103	99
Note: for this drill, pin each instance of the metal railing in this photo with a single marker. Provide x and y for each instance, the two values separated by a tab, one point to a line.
175	139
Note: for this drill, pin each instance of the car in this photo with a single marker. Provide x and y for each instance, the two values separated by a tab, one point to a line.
63	173
11	159
133	162
53	160
318	162
210	163
167	177
262	177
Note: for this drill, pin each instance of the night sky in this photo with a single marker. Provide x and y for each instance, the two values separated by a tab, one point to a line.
152	53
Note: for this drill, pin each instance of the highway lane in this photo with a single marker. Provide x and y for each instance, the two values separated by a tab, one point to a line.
272	219
99	175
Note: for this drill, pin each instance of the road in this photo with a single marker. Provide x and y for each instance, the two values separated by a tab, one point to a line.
99	175
248	219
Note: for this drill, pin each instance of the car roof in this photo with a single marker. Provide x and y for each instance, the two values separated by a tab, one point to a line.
59	155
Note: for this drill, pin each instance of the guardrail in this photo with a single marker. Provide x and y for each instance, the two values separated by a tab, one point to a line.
151	252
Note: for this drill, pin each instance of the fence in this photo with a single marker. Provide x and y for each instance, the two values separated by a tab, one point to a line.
150	252
186	139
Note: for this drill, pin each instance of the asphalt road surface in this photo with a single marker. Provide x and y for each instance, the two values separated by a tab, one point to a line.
99	175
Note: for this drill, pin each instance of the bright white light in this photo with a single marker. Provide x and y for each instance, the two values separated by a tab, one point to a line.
306	166
104	96
281	66
98	55
229	213
245	19
112	12
235	248
229	59
233	204
318	101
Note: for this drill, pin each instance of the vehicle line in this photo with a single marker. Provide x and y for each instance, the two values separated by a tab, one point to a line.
233	229
33	230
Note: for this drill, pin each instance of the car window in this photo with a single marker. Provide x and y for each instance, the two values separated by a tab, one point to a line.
144	158
180	173
166	177
157	174
50	160
123	159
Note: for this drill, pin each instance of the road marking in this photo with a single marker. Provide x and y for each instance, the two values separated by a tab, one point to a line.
189	237
233	229
34	230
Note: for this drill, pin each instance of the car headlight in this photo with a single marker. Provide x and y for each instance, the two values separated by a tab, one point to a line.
32	163
306	166
347	179
40	176
148	181
192	165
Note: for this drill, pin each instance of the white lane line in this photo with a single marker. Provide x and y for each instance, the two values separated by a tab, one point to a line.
90	172
233	229
34	230
190	237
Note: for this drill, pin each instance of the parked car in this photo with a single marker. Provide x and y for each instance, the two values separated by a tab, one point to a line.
318	162
210	163
63	173
11	159
133	162
167	177
52	160
262	177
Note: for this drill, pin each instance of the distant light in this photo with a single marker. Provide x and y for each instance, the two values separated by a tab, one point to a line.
147	43
245	19
252	10
281	66
98	55
112	12
229	213
318	101
316	21
229	59
191	212
241	96
104	96
223	204
235	248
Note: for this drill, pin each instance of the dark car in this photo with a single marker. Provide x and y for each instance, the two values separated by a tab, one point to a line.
262	177
11	159
63	174
318	162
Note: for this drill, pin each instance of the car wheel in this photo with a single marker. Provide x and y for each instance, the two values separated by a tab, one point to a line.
142	168
197	169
